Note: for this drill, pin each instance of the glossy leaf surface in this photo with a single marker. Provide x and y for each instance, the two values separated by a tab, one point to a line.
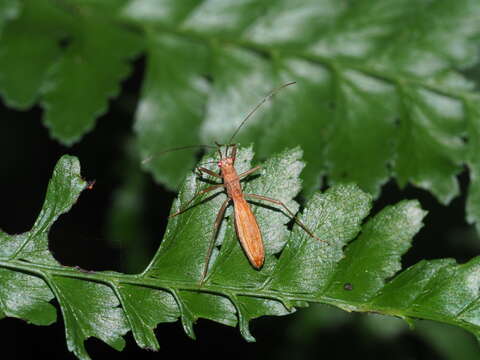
357	266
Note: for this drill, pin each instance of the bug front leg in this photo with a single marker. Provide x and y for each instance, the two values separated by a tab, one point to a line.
248	172
204	191
233	154
209	172
292	215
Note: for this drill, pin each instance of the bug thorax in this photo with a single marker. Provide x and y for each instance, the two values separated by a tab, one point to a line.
225	162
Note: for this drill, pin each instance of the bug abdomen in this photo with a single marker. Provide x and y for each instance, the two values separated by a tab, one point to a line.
249	233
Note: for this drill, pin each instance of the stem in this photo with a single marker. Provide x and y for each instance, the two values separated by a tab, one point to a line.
112	279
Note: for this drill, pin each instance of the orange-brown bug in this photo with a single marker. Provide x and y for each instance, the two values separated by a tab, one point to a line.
246	224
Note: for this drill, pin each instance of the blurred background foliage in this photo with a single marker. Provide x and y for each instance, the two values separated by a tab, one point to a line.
386	96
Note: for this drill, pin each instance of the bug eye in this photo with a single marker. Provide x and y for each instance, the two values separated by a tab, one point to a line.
219	164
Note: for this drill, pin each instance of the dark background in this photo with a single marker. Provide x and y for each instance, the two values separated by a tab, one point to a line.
81	238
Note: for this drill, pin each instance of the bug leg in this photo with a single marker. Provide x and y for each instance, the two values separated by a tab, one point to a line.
216	226
292	215
187	205
246	173
209	172
219	149
233	154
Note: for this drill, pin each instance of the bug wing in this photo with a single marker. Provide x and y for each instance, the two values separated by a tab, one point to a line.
249	233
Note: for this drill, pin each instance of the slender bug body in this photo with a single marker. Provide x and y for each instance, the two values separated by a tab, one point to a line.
246	224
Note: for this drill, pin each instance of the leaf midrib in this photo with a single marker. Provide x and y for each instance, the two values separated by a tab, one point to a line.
113	280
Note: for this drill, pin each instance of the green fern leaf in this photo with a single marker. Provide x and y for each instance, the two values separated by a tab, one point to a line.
381	93
355	269
80	53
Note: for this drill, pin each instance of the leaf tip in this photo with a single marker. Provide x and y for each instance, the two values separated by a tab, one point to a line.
413	212
188	328
410	322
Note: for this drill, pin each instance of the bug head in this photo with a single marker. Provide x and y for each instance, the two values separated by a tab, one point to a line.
225	161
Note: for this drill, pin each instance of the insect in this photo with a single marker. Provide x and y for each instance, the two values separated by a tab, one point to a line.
246	225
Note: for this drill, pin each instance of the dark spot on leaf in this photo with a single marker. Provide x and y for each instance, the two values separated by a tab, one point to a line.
332	105
208	78
347	287
65	42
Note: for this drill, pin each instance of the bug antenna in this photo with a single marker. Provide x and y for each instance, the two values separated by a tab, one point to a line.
178	148
270	95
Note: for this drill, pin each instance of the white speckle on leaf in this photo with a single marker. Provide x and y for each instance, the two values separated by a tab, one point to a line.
472	281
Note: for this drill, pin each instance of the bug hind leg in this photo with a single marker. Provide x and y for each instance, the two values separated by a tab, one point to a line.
292	215
216	226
